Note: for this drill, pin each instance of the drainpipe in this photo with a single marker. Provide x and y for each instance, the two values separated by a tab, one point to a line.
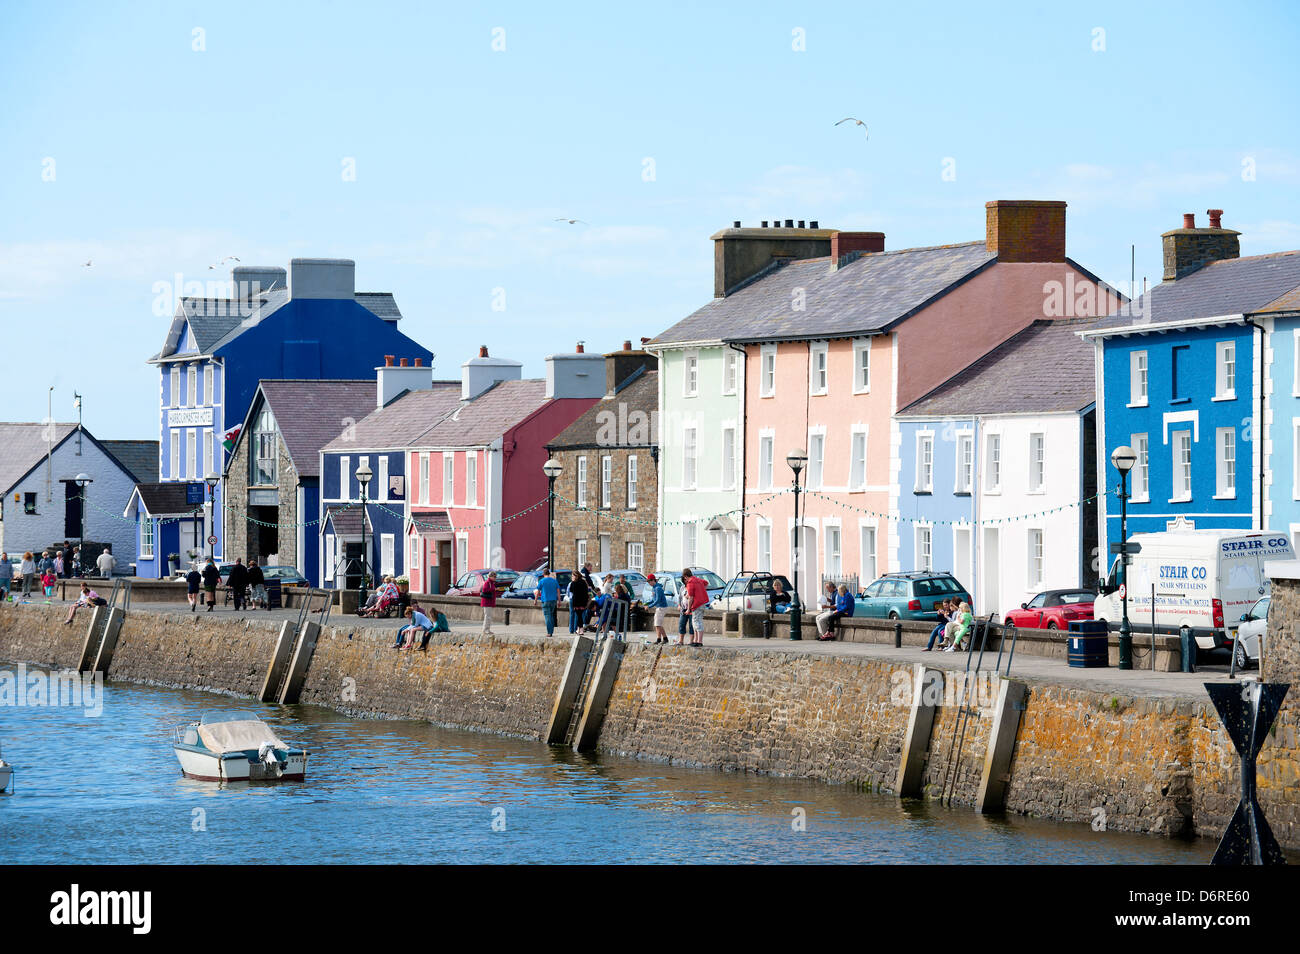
1259	426
740	451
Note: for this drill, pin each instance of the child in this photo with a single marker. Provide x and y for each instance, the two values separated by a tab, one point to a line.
47	581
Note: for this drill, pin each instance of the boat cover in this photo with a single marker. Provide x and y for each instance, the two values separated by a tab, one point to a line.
236	735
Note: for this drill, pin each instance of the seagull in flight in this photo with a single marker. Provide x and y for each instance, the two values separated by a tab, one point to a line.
853	119
228	258
87	265
572	221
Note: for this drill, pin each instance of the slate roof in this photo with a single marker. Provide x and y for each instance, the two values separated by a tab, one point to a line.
161	499
379	303
140	458
1046	368
431	521
638	393
868	294
1235	286
310	414
401	420
347	520
23	445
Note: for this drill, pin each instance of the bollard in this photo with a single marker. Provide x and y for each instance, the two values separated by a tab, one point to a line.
898	635
767	628
507	616
1188	646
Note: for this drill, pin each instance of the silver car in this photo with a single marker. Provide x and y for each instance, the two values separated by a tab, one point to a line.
1251	634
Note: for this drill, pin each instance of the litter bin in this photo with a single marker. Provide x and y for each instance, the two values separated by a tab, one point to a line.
273	594
1089	641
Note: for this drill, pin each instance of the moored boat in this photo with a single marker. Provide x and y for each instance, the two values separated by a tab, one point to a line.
236	747
6	774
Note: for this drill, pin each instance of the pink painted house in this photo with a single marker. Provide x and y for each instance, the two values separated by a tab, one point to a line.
833	347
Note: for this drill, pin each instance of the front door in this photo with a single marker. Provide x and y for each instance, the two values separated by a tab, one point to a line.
352	554
72	511
443	582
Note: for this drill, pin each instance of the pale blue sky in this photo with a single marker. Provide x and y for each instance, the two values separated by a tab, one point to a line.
167	159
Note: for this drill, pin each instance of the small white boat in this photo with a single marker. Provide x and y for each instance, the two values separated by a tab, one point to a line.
6	775
236	747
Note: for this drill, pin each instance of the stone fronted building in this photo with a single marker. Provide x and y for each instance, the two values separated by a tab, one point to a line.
607	496
273	474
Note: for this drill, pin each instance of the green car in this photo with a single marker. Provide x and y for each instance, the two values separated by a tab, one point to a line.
909	595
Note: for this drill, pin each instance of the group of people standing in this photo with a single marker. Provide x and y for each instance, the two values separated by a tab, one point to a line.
241	580
41	573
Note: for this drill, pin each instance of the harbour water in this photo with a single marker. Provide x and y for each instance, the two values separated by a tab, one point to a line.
108	789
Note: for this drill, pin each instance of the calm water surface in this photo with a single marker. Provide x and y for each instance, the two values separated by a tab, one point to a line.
109	789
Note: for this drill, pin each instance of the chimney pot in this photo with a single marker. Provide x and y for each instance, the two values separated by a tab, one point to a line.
581	349
403	363
419	362
627	345
736	224
801	223
765	223
1216	218
812	224
388	361
482	351
789	223
1189	220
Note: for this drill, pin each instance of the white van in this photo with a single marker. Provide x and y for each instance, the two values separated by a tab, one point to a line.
1203	579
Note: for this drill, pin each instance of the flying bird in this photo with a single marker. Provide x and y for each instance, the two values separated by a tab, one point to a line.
87	265
852	119
572	221
228	258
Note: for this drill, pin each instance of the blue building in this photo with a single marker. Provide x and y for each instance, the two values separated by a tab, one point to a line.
935	500
312	326
1186	380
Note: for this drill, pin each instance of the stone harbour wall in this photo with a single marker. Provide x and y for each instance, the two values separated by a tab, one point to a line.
1156	765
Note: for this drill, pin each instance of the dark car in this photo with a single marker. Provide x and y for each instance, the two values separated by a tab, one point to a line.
525	585
913	595
287	575
1053	609
471	583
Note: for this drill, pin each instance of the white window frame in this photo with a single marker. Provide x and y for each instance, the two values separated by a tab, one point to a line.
1225	371
1036	563
191	454
424	479
816	459
993	463
462	556
382	463
582	483
1177	440
766	460
690	458
636	556
208	445
387	554
819	369
868	564
176	385
1225	469
691	374
728	481
857	464
207	385
924	483
580	546
690	544
606	482
448	478
730	370
632	478
471	478
767	371
1139	379
765	545
964	478
345	481
834	549
192	379
1141	444
1037	463
923	542
861	370
146	535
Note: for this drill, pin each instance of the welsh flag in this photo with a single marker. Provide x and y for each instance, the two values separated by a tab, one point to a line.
232	435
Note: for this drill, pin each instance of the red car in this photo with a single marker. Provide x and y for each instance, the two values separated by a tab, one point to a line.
1053	609
471	584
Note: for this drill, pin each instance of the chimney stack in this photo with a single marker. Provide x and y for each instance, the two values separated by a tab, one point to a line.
479	374
251	280
844	243
1025	230
622	364
327	278
739	253
392	379
575	375
1189	248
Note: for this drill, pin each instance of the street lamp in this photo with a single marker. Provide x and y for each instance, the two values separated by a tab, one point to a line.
81	480
212	480
1124	458
363	476
797	459
552	469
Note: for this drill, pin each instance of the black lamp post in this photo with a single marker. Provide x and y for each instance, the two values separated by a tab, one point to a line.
1124	458
82	481
363	476
552	469
797	459
212	480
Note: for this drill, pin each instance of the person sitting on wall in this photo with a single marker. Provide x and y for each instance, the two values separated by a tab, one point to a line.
440	625
844	604
957	629
944	613
778	600
419	623
88	598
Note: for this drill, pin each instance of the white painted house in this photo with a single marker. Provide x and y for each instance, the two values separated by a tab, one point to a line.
41	504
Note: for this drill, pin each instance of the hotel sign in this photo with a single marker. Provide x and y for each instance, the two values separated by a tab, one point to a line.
190	417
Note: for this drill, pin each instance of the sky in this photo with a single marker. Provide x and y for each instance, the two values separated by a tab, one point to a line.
437	144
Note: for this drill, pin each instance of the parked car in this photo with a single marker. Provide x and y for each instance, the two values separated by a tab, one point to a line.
672	582
912	595
287	575
471	583
1251	633
525	585
748	592
635	579
1053	609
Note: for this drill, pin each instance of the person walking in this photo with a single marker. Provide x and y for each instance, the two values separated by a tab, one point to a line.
106	563
579	595
67	560
211	577
658	603
238	583
257	585
697	596
6	577
46	564
548	594
487	598
58	565
193	580
28	569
